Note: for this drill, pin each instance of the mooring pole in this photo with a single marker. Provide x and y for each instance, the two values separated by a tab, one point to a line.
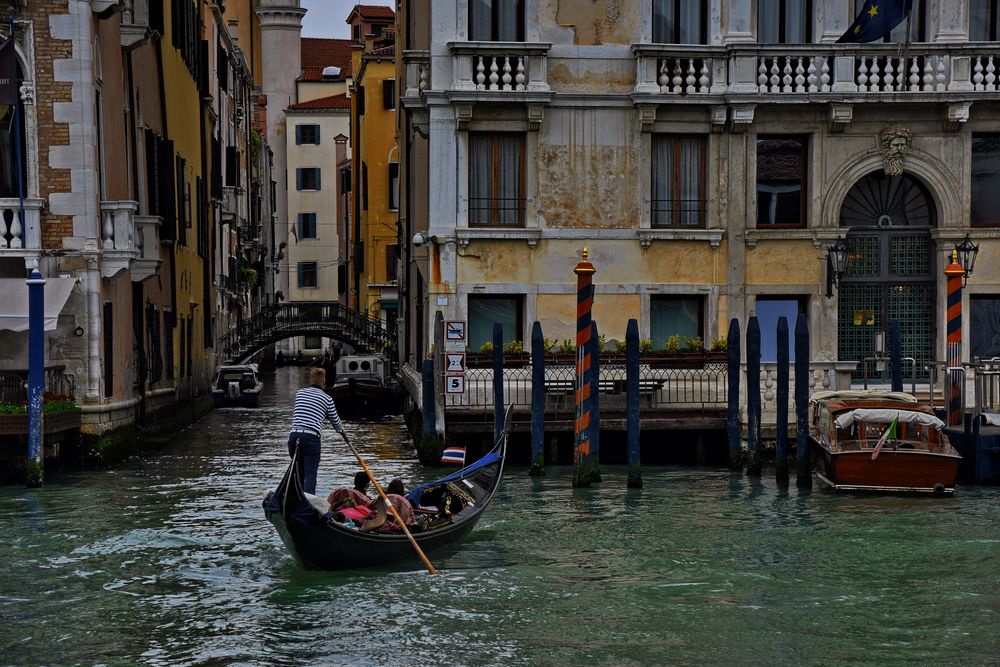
595	403
803	475
584	271
955	273
537	401
753	396
36	377
781	435
632	403
733	394
427	397
497	381
896	355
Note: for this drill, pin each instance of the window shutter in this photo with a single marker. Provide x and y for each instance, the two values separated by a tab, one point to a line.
298	178
318	182
389	93
360	92
300	226
298	135
316	136
232	166
302	273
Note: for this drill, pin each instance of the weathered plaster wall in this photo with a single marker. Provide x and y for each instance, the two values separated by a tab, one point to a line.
598	21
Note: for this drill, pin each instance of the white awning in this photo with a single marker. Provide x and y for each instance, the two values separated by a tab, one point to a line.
14	302
885	416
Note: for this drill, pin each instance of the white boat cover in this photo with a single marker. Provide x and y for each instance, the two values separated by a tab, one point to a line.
862	394
885	416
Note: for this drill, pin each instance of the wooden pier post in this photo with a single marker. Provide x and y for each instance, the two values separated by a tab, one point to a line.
427	398
537	401
955	273
781	436
733	394
497	381
36	377
595	404
632	403
753	396
896	355
584	271
803	475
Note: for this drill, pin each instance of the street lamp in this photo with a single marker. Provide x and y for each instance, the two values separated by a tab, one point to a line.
967	251
836	265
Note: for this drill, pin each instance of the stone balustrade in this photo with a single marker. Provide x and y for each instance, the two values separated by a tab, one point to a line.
499	67
20	234
148	247
118	236
417	65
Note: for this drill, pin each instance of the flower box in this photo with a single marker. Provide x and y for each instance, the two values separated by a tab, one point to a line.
54	422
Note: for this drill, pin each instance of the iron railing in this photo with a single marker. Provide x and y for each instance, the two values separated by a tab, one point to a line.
14	384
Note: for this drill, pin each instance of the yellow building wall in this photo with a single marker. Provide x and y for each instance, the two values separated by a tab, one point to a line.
784	263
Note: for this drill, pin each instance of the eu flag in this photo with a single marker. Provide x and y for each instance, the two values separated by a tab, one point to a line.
876	19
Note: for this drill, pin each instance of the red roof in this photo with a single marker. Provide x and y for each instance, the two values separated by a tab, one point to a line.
317	52
333	102
373	12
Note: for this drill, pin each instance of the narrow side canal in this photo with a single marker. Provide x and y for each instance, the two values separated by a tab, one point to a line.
168	560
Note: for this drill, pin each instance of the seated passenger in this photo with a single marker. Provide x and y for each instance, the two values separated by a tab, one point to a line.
395	493
351	497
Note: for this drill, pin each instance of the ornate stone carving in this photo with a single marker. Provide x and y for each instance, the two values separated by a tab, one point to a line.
895	143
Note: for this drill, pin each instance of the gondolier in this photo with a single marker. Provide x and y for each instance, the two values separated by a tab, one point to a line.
312	407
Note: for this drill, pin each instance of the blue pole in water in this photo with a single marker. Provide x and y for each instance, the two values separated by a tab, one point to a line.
595	404
497	381
632	403
427	395
753	396
781	438
733	393
537	401
36	376
896	355
804	471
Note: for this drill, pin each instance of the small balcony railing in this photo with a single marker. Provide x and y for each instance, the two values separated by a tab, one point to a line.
17	234
119	243
500	67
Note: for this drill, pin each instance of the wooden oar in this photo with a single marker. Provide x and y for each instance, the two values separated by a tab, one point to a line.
392	508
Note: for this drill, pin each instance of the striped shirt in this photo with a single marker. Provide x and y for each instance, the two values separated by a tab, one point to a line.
312	407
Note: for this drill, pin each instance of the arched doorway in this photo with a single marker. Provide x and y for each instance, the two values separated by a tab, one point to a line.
890	272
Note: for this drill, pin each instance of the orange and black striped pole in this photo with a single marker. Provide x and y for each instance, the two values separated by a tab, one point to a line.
584	271
953	393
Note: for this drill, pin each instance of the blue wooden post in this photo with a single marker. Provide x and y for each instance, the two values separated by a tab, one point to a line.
733	394
896	355
804	471
497	381
781	438
537	401
427	396
36	376
632	403
595	404
753	396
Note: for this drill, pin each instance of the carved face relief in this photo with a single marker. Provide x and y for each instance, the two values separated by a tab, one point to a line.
895	143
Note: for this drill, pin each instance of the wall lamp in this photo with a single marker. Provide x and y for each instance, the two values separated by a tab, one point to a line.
967	251
420	238
836	265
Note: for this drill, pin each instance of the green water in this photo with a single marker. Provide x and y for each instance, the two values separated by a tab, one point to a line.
168	561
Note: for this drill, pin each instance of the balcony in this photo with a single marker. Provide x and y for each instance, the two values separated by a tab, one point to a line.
135	23
148	241
20	237
230	204
119	244
417	65
497	71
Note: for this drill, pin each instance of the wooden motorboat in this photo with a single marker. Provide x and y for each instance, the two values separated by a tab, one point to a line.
363	384
319	542
237	385
880	441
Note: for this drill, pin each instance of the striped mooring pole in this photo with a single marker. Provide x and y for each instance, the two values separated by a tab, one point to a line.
584	271
954	273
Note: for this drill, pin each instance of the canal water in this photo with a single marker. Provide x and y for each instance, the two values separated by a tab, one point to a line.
168	560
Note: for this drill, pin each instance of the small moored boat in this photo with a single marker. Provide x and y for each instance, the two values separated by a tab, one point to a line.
880	441
363	384
237	385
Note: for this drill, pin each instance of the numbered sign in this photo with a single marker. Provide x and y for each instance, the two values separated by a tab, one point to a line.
454	384
454	362
454	330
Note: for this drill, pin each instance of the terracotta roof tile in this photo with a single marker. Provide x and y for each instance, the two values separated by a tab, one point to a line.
333	102
374	12
318	52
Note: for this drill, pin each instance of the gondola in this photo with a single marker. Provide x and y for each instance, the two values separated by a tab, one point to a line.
318	542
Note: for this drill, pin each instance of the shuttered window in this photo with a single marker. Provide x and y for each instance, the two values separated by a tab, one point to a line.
307	178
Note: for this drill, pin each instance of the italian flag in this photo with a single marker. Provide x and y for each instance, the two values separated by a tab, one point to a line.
889	433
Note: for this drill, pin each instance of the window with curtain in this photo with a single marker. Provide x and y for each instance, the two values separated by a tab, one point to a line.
496	20
307	134
393	186
308	274
781	179
680	21
917	22
674	316
784	21
307	178
307	226
678	189
986	179
769	309
496	180
984	21
485	310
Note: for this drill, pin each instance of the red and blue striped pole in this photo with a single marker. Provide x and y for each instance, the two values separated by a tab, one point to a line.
955	274
584	271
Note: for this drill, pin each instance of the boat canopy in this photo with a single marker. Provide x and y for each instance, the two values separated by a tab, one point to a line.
885	416
863	394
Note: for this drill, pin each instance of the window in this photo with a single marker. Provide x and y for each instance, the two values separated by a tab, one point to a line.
391	262
784	21
360	93
9	139
781	176
680	22
674	316
986	179
182	202
306	228
496	180
307	134
307	178
984	332
356	32
918	31
678	192
393	186
496	20
485	310
364	186
107	326
389	94
984	21
769	309
308	274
